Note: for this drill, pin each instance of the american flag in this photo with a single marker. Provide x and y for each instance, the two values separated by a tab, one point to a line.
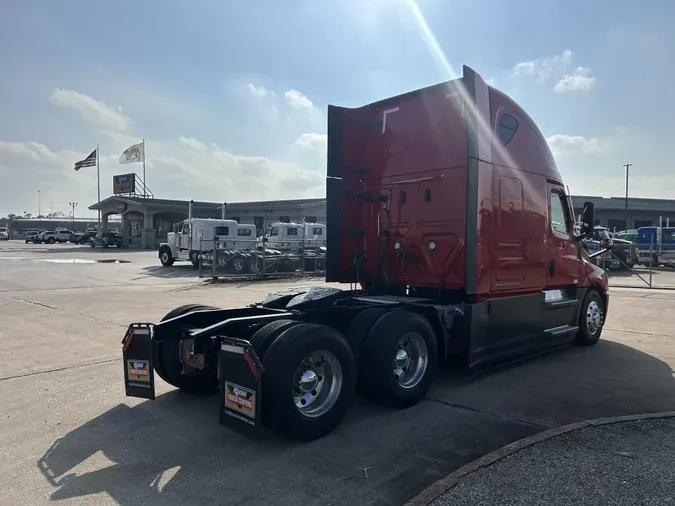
90	161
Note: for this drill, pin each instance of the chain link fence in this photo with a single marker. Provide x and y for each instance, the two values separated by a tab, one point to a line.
275	253
639	265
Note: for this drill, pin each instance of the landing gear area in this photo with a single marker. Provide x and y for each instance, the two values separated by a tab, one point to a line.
294	362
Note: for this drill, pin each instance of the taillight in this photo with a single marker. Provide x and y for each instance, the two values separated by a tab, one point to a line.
604	243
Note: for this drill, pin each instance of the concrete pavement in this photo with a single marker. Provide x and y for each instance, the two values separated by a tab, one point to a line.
68	432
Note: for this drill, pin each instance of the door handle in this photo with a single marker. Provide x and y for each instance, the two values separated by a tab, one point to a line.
551	268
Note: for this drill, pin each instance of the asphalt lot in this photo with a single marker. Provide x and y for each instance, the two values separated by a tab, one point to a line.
68	433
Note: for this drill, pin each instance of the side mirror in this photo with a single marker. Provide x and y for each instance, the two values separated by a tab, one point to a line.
587	220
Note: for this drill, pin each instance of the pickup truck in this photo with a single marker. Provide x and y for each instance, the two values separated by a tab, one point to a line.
106	239
54	236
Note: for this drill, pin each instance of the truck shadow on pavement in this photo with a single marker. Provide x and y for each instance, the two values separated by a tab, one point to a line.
173	451
74	249
185	270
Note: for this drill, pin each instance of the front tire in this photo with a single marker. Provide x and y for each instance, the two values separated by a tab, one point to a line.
165	257
51	240
591	319
399	359
309	381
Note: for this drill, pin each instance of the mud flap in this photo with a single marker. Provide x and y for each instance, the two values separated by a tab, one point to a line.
139	377
240	372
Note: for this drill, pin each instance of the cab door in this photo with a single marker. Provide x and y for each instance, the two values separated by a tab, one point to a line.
563	268
186	238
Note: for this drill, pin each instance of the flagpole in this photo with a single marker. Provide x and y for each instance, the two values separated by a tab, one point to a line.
98	181
145	185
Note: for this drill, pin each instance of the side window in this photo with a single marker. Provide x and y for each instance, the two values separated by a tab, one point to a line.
244	232
669	236
317	231
186	228
558	211
222	230
292	231
506	128
274	231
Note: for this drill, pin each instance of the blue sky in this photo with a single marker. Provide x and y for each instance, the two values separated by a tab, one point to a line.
231	95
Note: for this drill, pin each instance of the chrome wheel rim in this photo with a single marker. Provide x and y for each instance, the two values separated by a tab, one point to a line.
256	264
238	264
317	383
411	359
165	257
593	318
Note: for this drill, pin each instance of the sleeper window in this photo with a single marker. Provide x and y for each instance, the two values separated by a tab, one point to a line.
506	128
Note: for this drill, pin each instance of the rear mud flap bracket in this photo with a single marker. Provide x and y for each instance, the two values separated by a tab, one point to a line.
139	377
240	372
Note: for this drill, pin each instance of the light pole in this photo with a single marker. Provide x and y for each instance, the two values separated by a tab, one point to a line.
38	193
73	205
627	165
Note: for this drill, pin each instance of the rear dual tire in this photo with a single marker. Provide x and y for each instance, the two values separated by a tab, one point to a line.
167	364
398	356
309	379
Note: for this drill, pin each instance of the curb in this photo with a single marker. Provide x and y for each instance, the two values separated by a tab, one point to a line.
437	489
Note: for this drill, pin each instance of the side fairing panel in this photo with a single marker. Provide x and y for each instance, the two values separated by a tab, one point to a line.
397	189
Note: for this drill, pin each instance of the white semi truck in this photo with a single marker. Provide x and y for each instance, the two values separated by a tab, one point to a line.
292	236
197	238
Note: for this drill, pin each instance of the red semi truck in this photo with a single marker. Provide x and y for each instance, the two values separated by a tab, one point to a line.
449	219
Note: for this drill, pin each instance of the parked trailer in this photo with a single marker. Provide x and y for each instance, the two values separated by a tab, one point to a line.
462	245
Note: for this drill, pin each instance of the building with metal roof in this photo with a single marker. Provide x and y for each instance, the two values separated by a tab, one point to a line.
610	212
146	221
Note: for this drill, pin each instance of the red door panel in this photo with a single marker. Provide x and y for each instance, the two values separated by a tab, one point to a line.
563	266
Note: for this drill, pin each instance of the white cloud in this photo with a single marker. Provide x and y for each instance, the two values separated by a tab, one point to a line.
563	145
193	143
32	150
545	68
559	69
182	163
92	110
174	170
27	166
296	99
578	81
317	142
259	91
